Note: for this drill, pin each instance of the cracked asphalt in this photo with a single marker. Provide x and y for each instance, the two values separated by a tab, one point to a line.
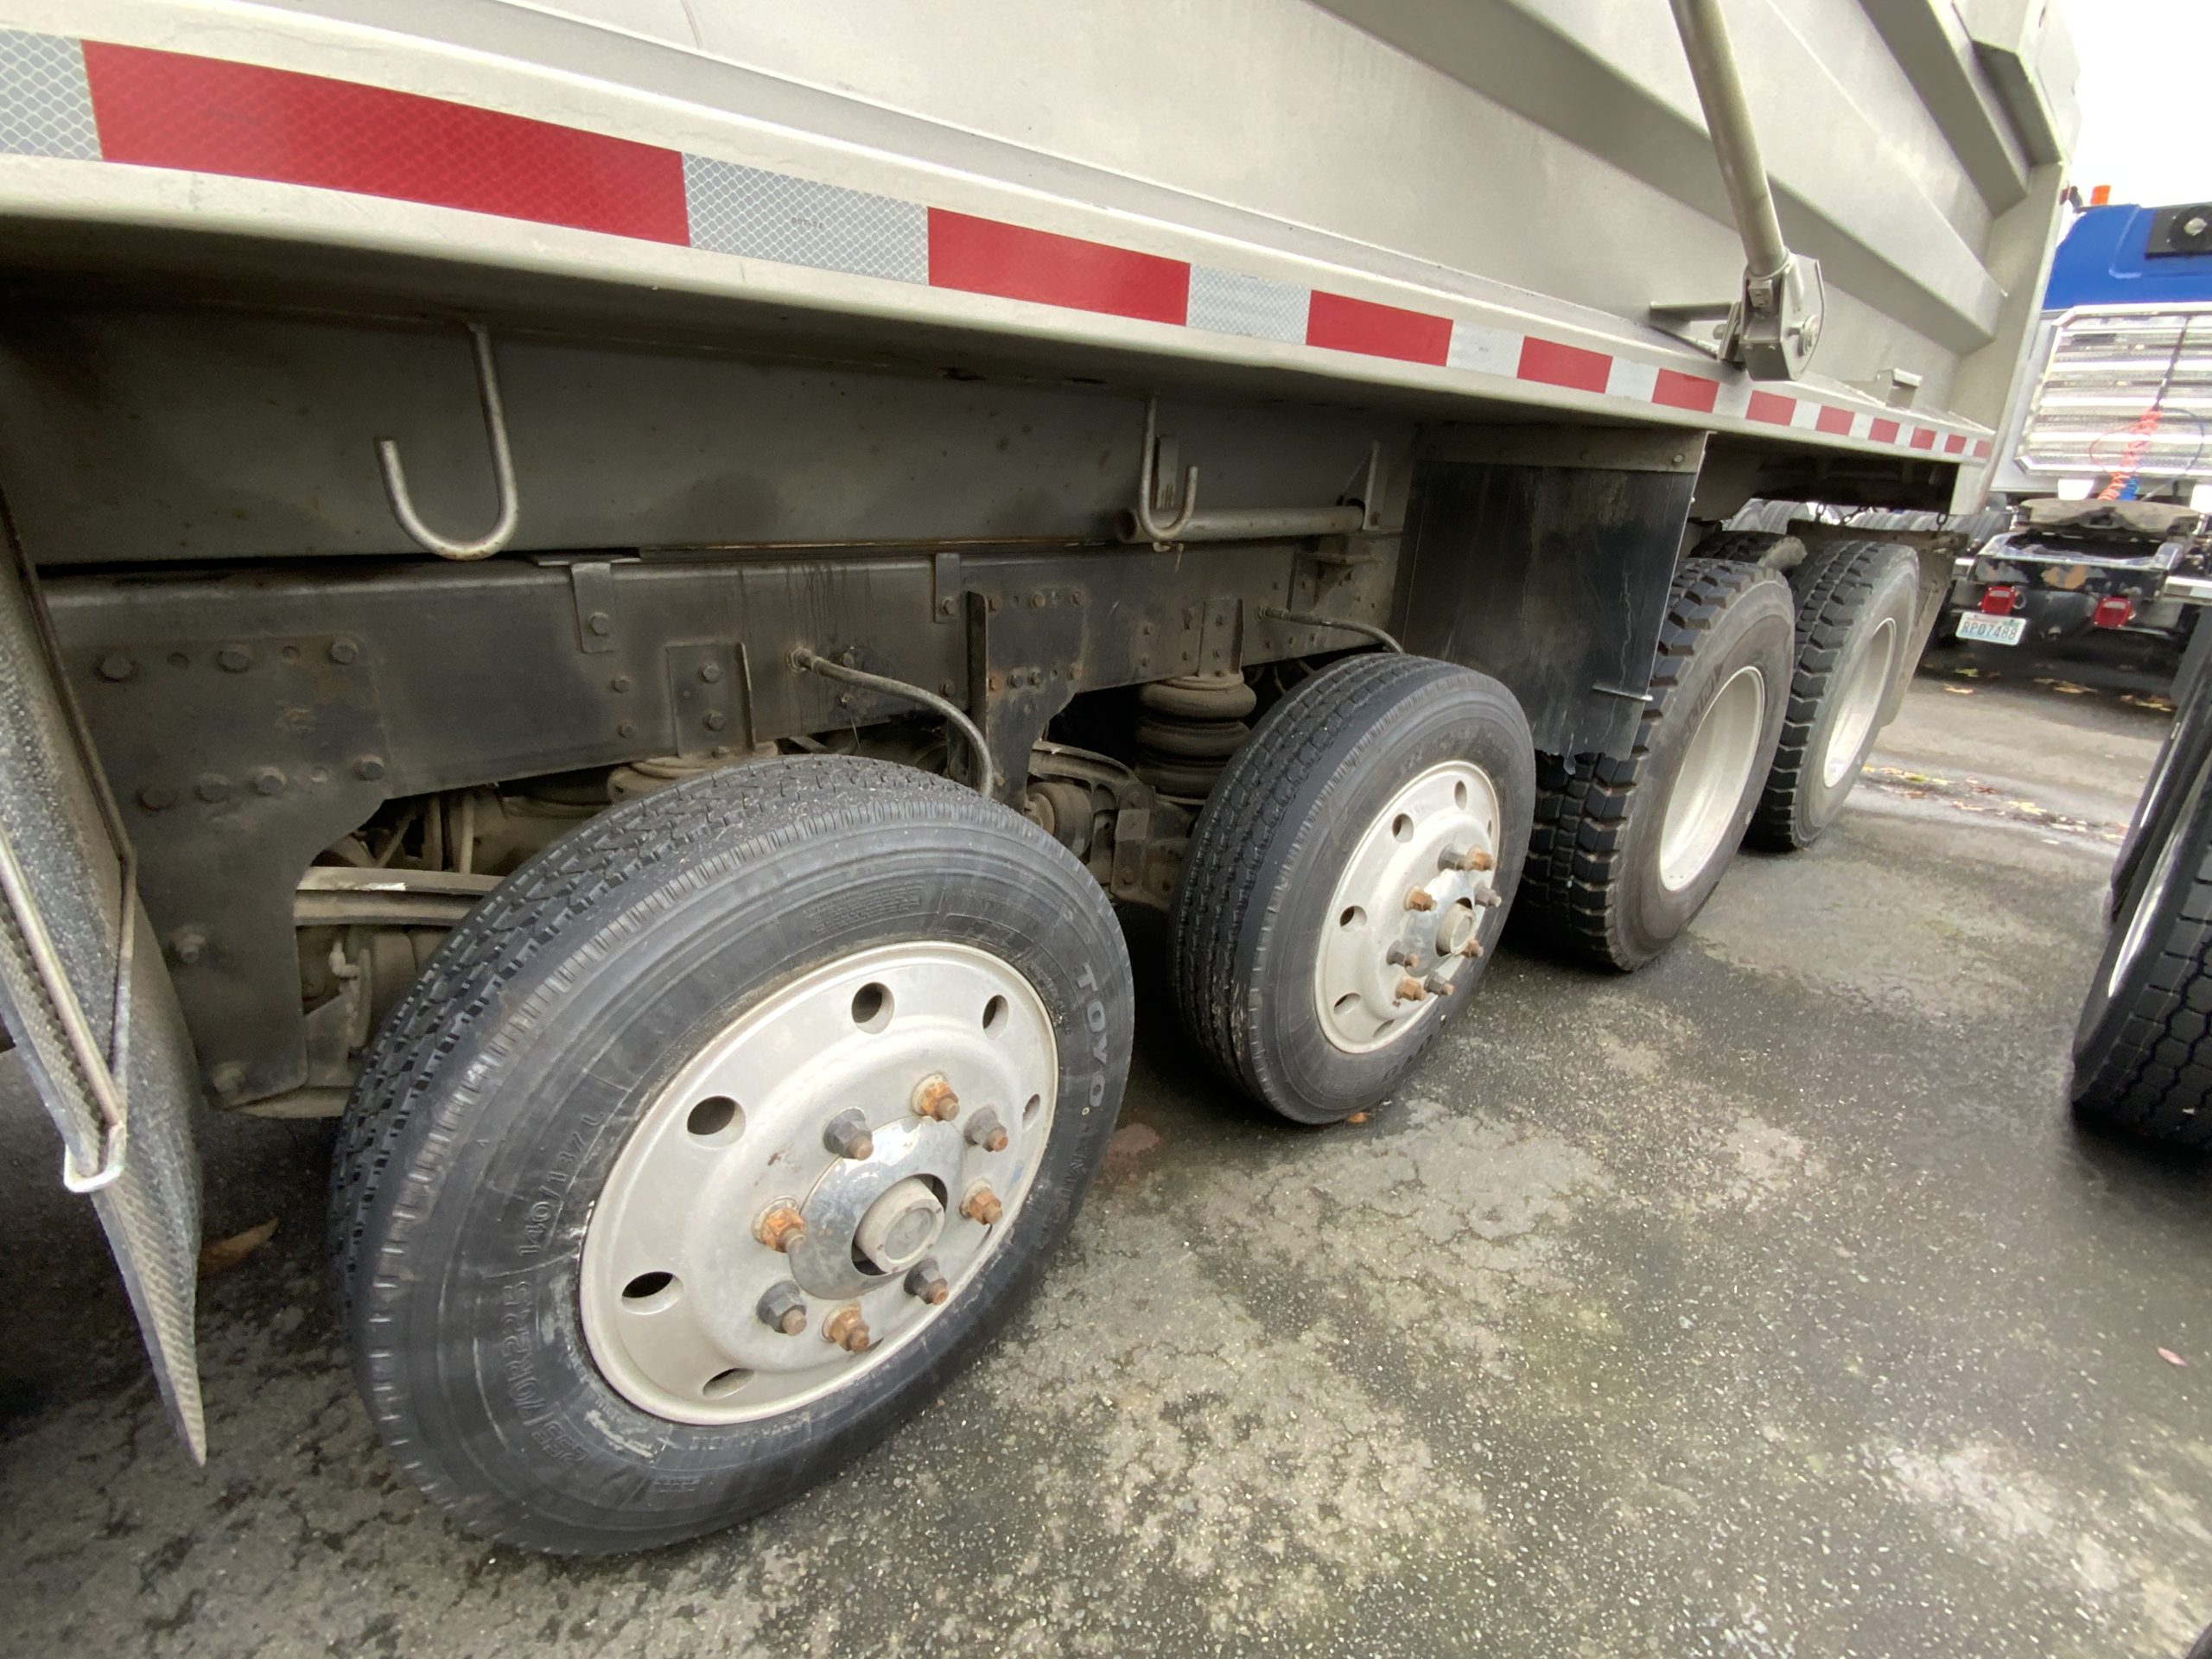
1764	1304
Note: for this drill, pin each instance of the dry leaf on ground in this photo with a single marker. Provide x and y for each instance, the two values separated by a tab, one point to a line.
222	1254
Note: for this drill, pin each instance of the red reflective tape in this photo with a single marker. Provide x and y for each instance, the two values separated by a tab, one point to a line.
1923	437
1342	324
169	110
1882	431
987	256
1680	391
1954	443
1981	448
1831	419
1555	365
1772	408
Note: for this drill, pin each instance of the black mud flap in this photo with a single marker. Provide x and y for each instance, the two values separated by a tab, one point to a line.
86	996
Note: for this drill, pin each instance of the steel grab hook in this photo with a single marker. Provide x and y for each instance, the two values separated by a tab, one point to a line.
503	471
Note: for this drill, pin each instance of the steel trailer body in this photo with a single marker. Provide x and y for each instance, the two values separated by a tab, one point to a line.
424	426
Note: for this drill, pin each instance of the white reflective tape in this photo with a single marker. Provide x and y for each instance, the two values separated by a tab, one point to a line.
761	215
46	106
1638	381
1258	308
1483	350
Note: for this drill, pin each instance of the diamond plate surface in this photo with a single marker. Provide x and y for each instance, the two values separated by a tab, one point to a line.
1231	303
45	107
763	215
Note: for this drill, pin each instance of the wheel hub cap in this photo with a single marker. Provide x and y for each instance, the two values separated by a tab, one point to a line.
1714	774
682	1294
1407	907
1861	700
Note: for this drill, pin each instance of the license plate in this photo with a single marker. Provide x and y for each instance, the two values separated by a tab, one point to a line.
1992	630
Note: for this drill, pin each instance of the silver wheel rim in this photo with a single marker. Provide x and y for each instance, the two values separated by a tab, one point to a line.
1714	774
678	1286
2146	913
1858	701
1383	958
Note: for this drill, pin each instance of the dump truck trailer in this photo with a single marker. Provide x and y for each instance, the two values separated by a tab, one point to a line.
613	595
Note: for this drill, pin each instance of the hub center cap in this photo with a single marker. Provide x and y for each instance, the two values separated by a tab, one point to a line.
901	1225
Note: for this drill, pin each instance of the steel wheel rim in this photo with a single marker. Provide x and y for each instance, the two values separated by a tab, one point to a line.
2146	913
1420	842
1715	773
690	1190
1859	701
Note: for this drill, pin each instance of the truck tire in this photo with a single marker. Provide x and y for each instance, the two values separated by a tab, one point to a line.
1363	843
1857	603
1625	852
2142	1055
562	1200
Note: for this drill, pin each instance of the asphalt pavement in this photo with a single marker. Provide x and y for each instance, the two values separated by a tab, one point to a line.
1765	1303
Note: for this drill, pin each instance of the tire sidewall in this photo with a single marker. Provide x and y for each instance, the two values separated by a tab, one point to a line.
1896	597
1403	732
1757	629
550	1089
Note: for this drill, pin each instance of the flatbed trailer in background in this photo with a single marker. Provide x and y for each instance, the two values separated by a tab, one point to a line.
619	604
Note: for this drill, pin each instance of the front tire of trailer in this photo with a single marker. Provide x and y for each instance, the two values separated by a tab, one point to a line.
1299	884
571	1152
1625	852
1857	602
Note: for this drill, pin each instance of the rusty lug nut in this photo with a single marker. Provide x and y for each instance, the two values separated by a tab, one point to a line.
1437	984
848	1135
782	1307
848	1329
1464	858
1409	990
1419	899
780	1226
983	1204
985	1130
926	1282
1471	949
933	1097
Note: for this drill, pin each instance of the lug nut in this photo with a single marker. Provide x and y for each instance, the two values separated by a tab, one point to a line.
1488	898
1464	858
983	1204
1437	984
848	1135
1409	990
782	1307
780	1227
1419	899
933	1097
1471	949
848	1329
926	1282
1404	954
985	1130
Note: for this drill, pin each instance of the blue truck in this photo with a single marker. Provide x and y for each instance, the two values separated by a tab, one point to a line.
2105	471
